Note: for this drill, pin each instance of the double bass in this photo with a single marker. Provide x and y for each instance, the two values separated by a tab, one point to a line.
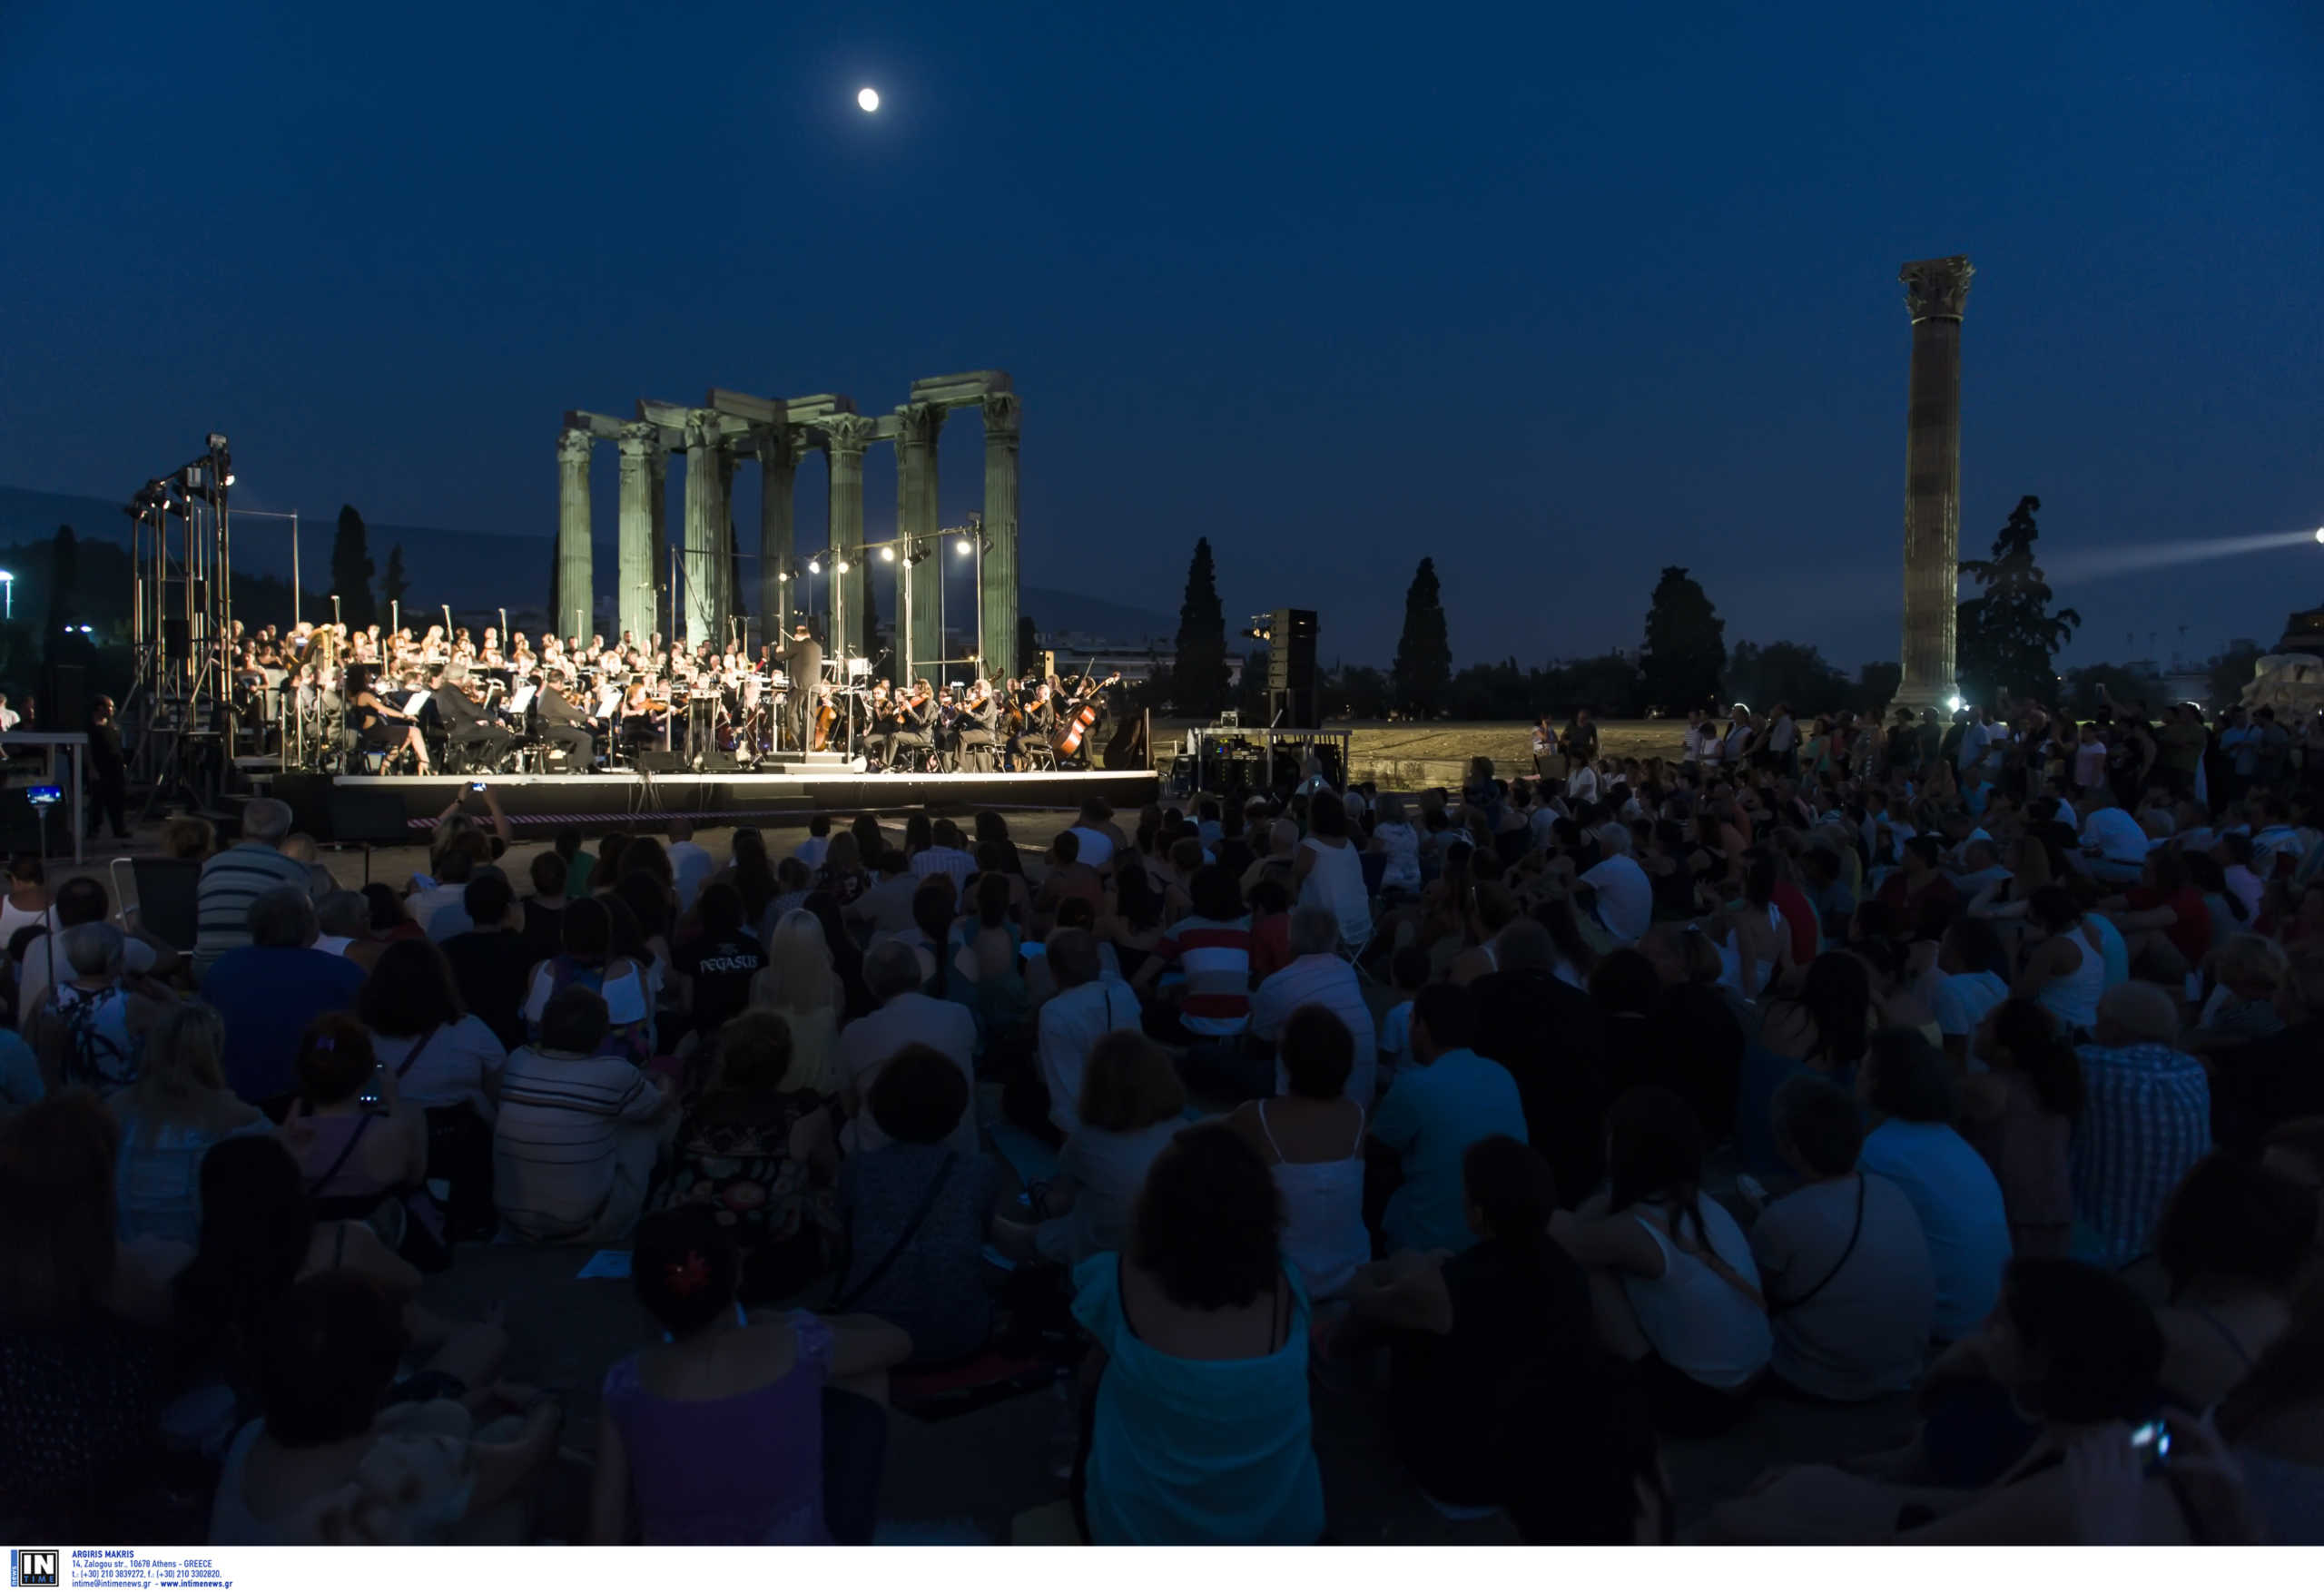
1080	717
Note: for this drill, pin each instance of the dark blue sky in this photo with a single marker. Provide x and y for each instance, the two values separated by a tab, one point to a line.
1558	297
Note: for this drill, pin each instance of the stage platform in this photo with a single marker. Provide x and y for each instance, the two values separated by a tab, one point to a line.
400	808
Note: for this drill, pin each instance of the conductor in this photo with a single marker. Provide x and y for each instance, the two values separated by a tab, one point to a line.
803	662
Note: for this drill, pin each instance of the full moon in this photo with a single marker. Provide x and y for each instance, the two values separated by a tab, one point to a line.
867	98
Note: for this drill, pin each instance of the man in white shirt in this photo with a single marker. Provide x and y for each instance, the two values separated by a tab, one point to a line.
1085	1008
1581	783
2114	846
691	865
905	1016
946	856
818	843
9	717
1316	976
1096	832
1625	895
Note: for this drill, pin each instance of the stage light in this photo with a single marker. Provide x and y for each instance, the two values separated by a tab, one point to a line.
814	566
867	98
230	480
1955	702
965	546
2319	533
843	567
887	554
781	576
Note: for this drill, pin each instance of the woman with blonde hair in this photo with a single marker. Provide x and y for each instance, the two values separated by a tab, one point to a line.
176	1109
800	982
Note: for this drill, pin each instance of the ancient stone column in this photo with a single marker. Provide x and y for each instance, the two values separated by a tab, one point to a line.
663	618
997	596
778	472
641	446
845	437
919	587
730	580
573	595
698	571
1936	291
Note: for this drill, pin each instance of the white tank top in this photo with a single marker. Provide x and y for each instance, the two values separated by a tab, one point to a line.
1323	1214
1696	1319
2072	998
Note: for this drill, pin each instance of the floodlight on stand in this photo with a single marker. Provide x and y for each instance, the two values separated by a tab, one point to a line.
887	554
814	566
2319	533
964	548
843	567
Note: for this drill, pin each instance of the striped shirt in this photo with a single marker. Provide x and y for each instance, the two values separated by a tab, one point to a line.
1216	959
947	859
230	882
555	1139
2146	1118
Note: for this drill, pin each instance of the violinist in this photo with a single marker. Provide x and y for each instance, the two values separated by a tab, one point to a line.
565	725
1036	724
642	717
978	726
916	731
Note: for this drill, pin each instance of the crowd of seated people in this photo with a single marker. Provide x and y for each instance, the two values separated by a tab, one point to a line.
1574	1118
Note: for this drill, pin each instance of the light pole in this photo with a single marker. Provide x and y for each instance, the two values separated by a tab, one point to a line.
8	593
293	518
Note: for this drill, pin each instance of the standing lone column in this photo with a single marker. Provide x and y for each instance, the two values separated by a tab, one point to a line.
996	597
640	451
919	589
658	547
1936	291
573	598
845	437
778	471
698	572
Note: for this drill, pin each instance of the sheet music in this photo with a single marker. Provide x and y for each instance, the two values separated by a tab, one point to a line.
609	700
524	697
411	703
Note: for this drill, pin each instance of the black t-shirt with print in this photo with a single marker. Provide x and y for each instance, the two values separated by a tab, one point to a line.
722	971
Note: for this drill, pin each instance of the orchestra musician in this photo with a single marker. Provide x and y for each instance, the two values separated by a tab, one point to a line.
642	716
803	662
916	725
978	725
567	726
379	727
466	728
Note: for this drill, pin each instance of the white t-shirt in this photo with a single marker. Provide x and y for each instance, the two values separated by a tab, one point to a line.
1070	1024
2115	834
453	1066
690	868
1581	784
1096	846
1625	898
866	1045
1963	1000
1326	981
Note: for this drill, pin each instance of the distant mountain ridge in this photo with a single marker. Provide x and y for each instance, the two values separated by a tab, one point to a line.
469	569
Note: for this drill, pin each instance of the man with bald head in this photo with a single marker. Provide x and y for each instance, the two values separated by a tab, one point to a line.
2146	1118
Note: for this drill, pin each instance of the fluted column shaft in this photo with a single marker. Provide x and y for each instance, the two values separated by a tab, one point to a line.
919	589
658	547
641	446
573	598
845	437
997	596
778	472
1935	293
698	572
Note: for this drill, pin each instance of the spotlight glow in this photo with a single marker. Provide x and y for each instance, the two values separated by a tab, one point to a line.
2319	533
867	98
842	566
887	554
967	547
814	566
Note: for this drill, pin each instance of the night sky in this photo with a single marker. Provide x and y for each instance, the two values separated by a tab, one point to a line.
1557	297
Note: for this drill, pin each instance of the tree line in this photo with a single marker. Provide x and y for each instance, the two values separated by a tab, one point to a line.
2009	635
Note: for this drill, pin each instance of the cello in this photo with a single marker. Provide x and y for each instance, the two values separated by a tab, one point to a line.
1080	717
826	716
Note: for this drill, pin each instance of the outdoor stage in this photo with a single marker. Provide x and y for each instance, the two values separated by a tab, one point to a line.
400	808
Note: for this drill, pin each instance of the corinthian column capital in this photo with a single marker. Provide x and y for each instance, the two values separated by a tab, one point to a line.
1001	410
1936	289
918	424
639	440
849	435
572	445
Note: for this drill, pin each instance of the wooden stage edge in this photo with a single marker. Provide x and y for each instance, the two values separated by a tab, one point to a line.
400	809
